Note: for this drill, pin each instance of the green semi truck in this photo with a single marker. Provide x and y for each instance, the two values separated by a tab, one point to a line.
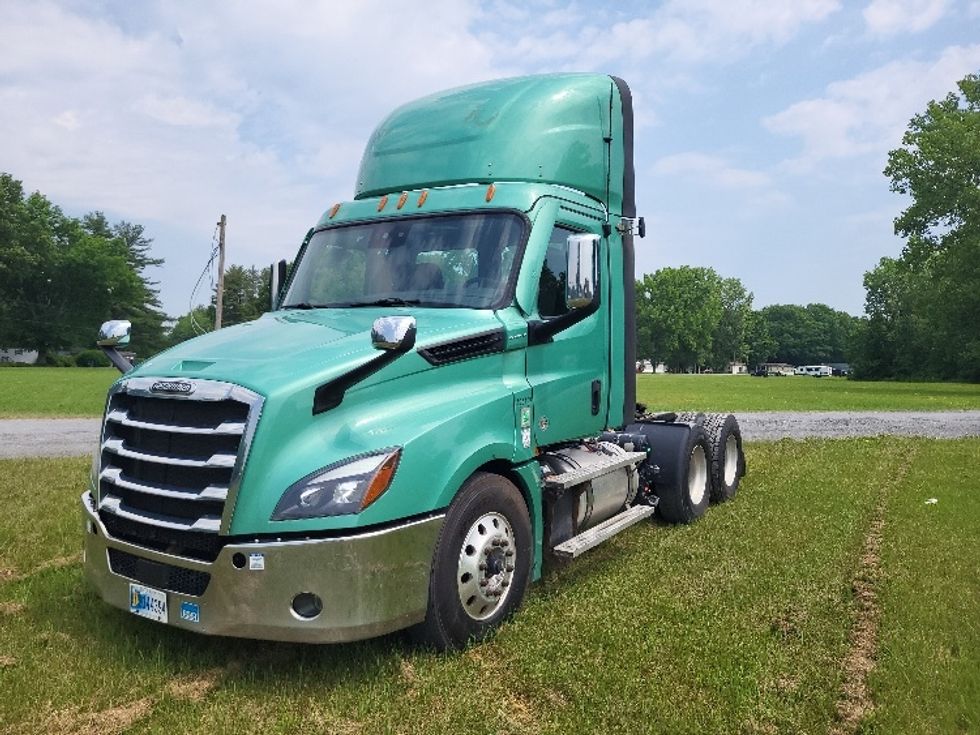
441	400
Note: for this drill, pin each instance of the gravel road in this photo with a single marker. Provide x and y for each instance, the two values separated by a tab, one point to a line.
74	437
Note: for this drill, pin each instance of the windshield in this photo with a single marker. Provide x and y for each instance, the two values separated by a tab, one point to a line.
443	261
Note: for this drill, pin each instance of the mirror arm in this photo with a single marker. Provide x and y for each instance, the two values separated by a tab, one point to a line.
115	357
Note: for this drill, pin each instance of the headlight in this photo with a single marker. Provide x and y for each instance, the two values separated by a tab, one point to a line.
345	487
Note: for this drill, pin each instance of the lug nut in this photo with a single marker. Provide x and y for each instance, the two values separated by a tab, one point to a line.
505	583
484	582
510	567
509	552
482	566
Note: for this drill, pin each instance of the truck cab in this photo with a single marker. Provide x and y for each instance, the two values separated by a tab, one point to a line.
439	400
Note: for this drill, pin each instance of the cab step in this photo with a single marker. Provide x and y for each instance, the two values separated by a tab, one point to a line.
576	477
578	545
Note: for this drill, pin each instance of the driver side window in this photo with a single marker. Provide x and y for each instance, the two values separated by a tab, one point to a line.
551	287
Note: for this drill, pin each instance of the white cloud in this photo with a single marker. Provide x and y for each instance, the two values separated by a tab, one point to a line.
891	17
868	114
754	190
711	170
159	112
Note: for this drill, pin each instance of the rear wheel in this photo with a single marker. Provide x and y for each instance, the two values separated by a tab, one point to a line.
482	564
683	483
727	458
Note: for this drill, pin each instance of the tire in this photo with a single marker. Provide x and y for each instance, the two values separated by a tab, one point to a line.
487	519
690	417
724	440
680	465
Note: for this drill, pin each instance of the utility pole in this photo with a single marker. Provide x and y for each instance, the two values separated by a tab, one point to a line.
221	273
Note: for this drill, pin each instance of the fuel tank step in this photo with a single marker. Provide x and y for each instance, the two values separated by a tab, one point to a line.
578	545
576	477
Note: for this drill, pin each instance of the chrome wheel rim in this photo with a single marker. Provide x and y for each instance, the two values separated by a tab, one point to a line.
697	475
485	572
731	460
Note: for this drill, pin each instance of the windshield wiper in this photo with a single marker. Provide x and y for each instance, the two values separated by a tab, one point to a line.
303	305
388	302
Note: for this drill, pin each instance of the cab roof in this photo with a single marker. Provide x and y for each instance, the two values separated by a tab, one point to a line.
572	130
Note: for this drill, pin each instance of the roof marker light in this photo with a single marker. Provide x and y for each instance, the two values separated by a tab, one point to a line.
491	190
423	196
333	210
402	199
383	202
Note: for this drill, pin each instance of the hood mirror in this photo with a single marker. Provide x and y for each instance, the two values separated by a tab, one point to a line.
115	334
395	333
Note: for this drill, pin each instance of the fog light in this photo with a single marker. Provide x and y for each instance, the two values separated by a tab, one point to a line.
307	606
238	560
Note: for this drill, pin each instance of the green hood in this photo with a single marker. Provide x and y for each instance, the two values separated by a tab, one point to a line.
287	351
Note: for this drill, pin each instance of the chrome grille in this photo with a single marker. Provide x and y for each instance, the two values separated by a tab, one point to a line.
170	464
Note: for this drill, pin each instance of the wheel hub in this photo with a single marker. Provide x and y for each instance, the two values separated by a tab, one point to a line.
486	566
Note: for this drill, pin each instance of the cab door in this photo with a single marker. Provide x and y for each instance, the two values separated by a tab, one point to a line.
568	340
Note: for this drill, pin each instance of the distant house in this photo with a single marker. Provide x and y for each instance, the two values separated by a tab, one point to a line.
738	368
647	366
17	354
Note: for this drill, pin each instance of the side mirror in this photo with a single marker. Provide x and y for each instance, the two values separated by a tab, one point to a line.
278	273
582	271
115	334
396	333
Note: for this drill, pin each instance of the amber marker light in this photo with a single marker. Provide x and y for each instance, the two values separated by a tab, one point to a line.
333	210
402	199
423	196
382	479
491	190
383	202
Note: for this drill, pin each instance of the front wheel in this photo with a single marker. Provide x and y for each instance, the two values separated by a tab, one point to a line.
481	566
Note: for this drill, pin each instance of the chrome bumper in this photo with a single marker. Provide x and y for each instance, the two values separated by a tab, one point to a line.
371	583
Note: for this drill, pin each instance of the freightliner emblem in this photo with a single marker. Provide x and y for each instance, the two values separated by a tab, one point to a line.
172	386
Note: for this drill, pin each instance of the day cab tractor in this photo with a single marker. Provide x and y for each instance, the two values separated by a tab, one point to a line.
441	399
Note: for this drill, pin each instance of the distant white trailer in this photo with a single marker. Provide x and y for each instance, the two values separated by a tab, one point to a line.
817	371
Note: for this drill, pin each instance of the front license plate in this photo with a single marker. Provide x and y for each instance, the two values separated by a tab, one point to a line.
147	602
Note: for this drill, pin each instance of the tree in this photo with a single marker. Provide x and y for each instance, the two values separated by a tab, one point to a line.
922	307
678	312
59	279
804	335
730	340
143	309
200	320
243	297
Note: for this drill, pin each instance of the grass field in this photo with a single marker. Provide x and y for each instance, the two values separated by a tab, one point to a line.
740	623
733	393
36	392
39	392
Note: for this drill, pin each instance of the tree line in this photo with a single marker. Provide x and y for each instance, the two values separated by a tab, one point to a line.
692	319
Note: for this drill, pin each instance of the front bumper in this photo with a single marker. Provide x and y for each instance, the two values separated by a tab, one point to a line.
371	583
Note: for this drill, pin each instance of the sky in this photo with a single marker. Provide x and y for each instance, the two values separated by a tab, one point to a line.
762	127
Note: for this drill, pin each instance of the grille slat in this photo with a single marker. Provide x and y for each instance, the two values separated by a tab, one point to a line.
169	464
120	416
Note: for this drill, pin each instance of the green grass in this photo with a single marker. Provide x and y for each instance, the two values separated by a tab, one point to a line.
738	623
49	392
732	393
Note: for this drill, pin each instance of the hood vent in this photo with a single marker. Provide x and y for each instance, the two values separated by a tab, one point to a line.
485	343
